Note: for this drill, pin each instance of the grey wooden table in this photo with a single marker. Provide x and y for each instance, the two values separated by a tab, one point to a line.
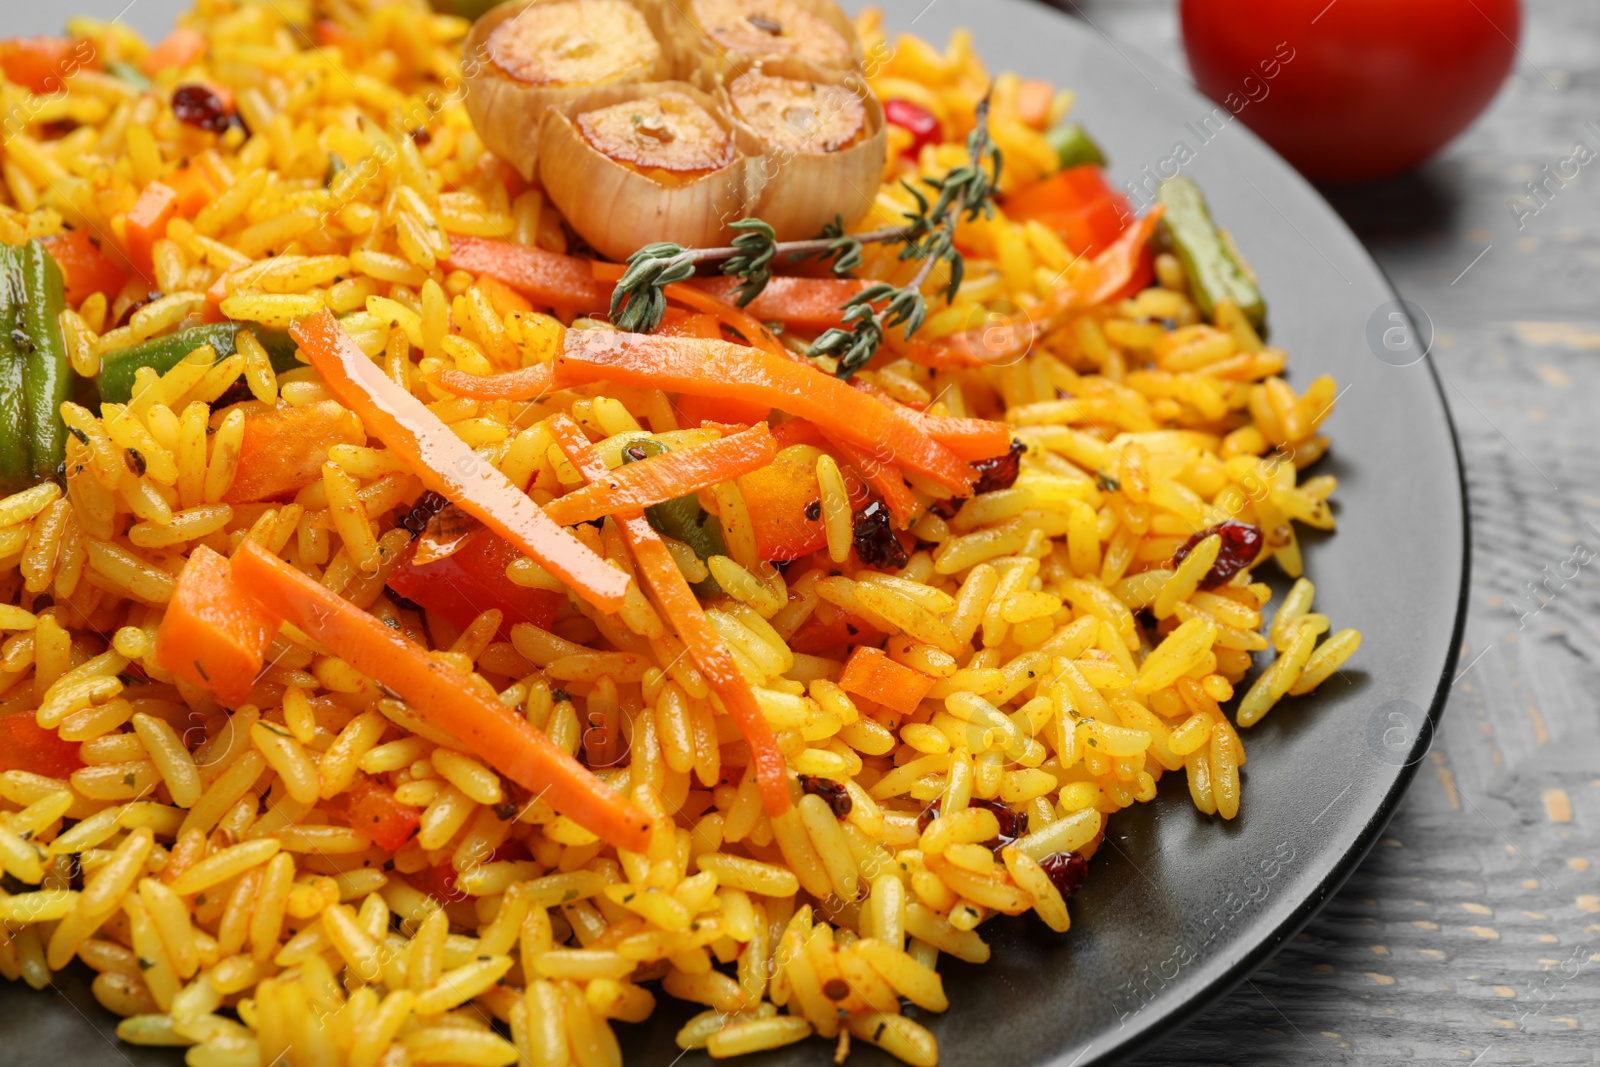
1471	934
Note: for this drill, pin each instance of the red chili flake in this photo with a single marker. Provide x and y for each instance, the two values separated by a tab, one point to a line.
427	506
873	535
834	793
922	124
999	472
197	106
1067	870
1241	544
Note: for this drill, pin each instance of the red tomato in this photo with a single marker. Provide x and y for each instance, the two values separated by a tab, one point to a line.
1352	90
1078	204
370	807
27	746
472	580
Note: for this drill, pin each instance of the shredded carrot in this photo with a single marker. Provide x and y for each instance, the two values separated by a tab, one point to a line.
27	746
870	673
529	383
179	48
283	450
147	223
804	303
549	279
882	476
971	439
213	636
504	299
443	696
681	607
719	369
1107	276
752	329
666	477
448	466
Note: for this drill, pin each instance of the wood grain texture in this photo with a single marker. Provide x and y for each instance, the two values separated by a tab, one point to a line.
1471	934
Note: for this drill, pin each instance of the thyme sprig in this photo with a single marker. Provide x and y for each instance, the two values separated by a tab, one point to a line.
967	192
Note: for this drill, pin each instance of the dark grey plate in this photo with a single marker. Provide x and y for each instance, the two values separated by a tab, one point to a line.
1179	907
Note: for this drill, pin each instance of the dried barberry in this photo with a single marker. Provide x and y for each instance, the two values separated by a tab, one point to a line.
427	506
1012	823
149	297
874	538
200	107
834	793
1067	871
999	472
1241	544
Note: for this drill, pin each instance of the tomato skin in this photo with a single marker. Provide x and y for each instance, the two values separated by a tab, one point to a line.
1371	89
27	746
471	581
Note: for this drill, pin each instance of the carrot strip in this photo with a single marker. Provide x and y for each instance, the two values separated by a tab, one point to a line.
525	384
666	477
970	439
753	329
678	601
718	369
885	478
547	278
805	303
870	673
448	466
443	696
1001	345
213	636
147	223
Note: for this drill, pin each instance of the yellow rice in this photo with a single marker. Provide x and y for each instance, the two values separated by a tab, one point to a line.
194	863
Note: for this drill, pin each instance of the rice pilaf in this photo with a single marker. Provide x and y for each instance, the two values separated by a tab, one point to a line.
309	871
